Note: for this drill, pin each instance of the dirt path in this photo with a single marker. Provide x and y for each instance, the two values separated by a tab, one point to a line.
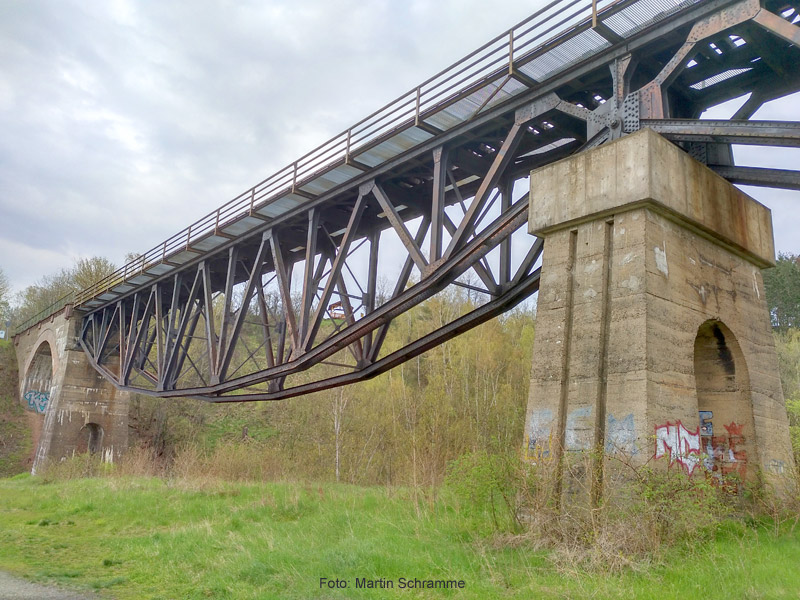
13	588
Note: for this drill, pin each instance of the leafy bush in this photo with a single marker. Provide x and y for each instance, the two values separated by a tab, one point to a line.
497	490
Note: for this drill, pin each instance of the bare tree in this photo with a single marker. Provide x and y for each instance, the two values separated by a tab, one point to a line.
5	288
338	406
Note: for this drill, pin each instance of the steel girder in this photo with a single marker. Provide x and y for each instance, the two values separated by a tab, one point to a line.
301	303
239	326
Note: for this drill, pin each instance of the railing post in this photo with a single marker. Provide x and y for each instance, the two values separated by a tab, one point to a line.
416	116
294	177
347	149
216	222
511	52
163	253
594	14
188	236
252	200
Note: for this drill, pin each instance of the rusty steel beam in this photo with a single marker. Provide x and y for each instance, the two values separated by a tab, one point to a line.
353	334
758	133
774	178
528	286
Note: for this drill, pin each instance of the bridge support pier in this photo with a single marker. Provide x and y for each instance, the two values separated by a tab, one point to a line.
653	337
83	412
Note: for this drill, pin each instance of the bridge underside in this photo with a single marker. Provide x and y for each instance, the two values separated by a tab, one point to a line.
221	328
304	300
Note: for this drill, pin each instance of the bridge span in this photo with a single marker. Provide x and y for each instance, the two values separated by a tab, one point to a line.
291	287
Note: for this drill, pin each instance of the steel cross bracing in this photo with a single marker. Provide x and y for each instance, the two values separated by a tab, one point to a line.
266	306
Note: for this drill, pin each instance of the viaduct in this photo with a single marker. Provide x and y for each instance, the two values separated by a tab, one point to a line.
566	157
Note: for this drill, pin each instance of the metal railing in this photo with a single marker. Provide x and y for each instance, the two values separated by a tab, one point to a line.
496	61
43	314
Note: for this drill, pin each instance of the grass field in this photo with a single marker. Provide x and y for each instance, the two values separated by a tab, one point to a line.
151	538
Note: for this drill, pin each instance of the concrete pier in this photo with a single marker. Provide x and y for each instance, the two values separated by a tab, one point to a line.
653	339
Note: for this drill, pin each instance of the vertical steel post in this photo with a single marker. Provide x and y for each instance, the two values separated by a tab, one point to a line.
437	204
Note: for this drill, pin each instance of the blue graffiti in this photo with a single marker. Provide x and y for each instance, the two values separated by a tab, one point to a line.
37	401
621	435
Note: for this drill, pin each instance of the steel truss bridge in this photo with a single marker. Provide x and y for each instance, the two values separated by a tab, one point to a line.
292	286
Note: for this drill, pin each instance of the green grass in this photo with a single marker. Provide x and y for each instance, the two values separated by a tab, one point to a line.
150	538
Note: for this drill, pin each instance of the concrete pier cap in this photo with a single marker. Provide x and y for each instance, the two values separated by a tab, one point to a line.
646	169
653	338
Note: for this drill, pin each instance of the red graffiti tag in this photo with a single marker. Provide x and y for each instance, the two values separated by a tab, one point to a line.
734	429
728	456
680	444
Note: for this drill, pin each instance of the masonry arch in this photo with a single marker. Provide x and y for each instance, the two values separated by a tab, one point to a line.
38	380
724	404
90	439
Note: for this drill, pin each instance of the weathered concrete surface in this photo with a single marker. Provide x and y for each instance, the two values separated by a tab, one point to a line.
651	309
82	411
648	170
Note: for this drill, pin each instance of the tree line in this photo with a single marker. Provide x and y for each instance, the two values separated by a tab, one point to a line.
51	288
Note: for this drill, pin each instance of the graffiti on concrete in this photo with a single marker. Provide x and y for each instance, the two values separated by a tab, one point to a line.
37	401
538	444
722	456
706	432
681	445
578	424
621	435
540	449
776	466
728	453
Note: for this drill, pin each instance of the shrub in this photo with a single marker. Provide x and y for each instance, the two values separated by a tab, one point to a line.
491	488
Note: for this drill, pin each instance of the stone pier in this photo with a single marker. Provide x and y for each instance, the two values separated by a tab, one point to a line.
653	339
82	411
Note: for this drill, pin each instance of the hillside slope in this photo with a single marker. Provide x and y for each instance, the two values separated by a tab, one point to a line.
16	434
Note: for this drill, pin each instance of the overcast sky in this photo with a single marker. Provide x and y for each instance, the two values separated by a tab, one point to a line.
122	122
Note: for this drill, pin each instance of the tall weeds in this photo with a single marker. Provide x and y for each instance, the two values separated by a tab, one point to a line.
512	502
227	461
232	461
642	513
